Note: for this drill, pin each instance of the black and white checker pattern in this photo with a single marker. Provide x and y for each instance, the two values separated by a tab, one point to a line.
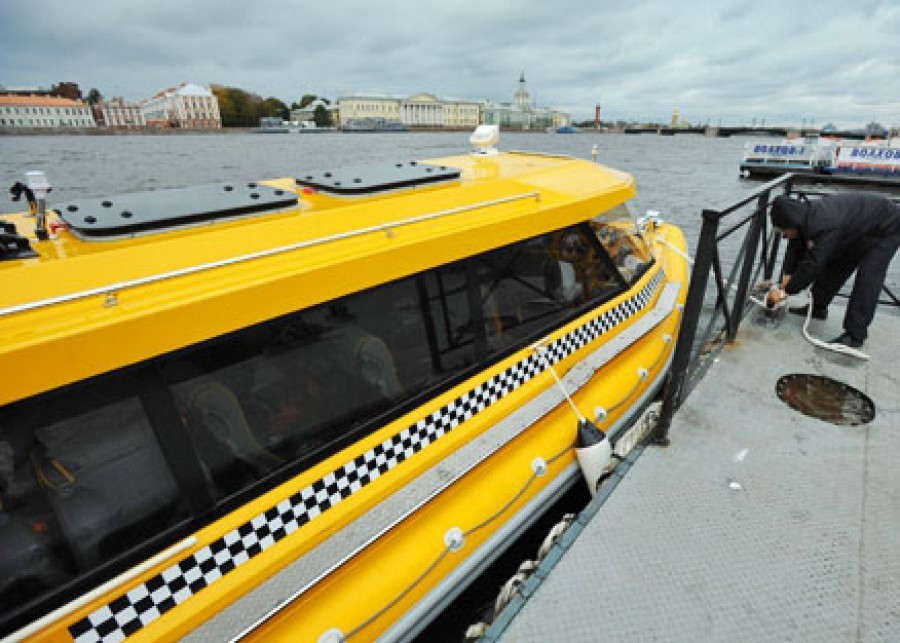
147	602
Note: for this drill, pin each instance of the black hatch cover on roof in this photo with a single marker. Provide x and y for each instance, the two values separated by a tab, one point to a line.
368	179
141	212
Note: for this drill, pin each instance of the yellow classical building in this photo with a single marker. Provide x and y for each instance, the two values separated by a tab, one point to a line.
419	111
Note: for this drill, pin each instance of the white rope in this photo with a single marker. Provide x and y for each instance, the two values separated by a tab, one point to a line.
476	631
514	584
836	348
554	535
539	349
833	347
675	249
639	432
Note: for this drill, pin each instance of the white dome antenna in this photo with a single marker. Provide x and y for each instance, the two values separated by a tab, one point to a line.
485	138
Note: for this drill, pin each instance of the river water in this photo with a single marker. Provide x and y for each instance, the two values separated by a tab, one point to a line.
677	175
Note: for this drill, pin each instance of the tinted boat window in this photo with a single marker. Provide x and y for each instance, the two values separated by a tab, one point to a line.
530	286
453	316
82	479
297	387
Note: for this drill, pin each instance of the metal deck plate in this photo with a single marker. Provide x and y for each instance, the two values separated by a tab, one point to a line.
126	214
367	179
755	524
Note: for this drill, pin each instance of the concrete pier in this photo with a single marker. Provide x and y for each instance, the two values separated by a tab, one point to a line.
758	523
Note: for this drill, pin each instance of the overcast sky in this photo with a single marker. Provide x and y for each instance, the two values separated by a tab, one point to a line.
783	60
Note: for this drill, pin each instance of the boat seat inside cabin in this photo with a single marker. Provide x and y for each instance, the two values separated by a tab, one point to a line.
513	304
375	364
219	428
303	392
561	282
105	477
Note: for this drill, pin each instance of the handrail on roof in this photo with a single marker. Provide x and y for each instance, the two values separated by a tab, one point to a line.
111	290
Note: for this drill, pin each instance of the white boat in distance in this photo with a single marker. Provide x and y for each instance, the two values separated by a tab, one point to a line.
822	155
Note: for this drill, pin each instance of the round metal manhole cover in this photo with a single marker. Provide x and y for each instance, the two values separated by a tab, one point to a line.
826	399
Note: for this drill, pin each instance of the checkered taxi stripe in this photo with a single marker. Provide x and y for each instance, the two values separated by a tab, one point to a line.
145	603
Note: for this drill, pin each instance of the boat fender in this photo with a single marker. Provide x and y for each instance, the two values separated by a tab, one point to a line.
593	452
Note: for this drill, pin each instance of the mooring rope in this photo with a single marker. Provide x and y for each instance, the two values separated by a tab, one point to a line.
829	346
837	348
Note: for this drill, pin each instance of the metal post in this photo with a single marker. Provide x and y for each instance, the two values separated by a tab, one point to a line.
769	267
747	269
681	360
772	256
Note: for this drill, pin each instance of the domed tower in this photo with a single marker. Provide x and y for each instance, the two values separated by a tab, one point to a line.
522	98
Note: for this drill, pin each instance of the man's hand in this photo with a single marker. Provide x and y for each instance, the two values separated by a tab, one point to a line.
774	296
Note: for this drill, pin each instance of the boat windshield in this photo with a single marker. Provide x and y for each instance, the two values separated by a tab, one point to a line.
617	231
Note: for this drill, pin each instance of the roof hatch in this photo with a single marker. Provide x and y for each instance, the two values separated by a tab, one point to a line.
369	179
143	212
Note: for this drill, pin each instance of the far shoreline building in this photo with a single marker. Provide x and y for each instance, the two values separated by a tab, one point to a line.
420	111
427	111
120	114
189	106
307	115
522	115
33	111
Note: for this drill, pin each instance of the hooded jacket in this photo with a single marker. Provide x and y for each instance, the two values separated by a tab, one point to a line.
832	228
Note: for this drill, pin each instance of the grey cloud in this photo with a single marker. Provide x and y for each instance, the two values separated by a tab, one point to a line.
708	57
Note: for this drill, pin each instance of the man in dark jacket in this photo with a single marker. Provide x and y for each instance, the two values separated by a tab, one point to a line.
829	239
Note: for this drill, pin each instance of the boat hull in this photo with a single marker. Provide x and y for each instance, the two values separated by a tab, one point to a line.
513	295
488	491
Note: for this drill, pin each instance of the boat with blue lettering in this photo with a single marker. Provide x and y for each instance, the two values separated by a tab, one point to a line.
876	159
312	408
798	155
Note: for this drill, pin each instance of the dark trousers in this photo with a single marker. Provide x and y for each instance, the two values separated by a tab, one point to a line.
871	267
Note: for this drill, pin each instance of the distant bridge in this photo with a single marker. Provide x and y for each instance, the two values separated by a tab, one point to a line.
725	132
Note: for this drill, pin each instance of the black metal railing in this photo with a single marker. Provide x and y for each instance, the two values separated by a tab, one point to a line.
752	262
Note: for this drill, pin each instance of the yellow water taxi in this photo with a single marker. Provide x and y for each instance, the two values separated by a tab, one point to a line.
310	408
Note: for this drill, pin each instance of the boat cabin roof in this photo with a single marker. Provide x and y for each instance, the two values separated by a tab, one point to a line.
126	277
